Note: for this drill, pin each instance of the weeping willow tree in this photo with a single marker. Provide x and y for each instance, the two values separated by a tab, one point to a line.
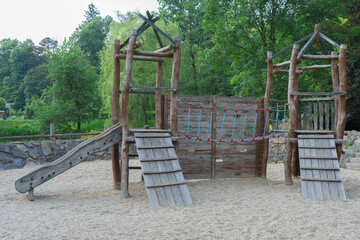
141	107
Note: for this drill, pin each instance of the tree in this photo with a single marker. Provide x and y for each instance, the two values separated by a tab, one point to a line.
49	45
75	88
2	103
35	81
91	12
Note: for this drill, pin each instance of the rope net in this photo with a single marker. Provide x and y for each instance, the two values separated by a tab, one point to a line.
236	125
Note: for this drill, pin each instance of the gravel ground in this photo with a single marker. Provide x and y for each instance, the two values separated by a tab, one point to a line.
82	204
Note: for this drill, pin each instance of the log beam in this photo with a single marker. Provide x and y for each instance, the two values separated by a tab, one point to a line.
138	58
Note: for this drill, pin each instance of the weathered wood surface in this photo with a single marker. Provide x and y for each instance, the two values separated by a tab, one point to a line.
163	178
150	54
200	159
320	170
158	95
77	155
318	93
317	115
115	108
314	67
319	57
141	58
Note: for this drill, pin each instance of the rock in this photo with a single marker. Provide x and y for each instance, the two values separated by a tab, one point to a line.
19	163
18	153
34	153
28	144
22	147
46	150
31	163
6	157
6	147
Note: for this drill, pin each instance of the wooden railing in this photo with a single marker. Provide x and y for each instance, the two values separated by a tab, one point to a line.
67	135
317	114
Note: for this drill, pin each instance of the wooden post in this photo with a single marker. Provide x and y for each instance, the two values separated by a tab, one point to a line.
174	84
115	114
335	81
158	95
125	116
52	131
293	114
341	121
267	105
213	144
295	166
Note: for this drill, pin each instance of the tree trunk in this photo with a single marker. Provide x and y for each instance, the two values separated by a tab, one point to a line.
78	126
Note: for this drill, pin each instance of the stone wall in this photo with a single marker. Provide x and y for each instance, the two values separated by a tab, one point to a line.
18	154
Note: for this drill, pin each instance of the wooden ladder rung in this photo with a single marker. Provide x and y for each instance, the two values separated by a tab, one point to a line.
155	160
320	158
315	168
164	171
134	167
154	147
314	147
166	184
321	180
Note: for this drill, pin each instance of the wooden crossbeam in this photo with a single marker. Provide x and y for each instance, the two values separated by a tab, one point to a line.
163	171
281	64
321	180
302	51
155	31
317	93
153	88
139	30
158	29
150	54
289	47
314	67
331	41
165	49
141	58
155	160
319	57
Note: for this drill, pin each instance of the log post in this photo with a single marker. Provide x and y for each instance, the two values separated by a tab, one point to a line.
293	114
158	95
125	116
295	166
115	114
335	82
175	84
341	121
267	105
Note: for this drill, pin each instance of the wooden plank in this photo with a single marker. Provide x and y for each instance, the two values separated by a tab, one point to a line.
327	116
340	185
316	99
316	173
162	171
163	177
310	115
143	130
322	164
158	103
324	132
308	188
321	116
318	93
154	147
321	168
316	116
152	135
320	196
332	108
301	124
305	117
320	157
317	147
150	54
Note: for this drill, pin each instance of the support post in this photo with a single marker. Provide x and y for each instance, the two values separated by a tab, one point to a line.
31	196
293	114
174	94
158	95
213	144
335	82
295	166
52	131
267	105
125	116
341	121
115	158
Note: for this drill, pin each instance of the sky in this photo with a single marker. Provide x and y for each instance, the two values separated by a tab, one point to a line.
57	19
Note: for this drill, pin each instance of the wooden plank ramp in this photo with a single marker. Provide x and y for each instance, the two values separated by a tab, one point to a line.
163	177
319	168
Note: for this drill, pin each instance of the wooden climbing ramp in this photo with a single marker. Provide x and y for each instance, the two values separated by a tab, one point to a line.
319	168
163	177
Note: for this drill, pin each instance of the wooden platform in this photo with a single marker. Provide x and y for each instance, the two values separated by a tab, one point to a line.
319	168
163	177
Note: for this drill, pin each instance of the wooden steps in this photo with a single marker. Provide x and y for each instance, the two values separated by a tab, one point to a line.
319	168
164	181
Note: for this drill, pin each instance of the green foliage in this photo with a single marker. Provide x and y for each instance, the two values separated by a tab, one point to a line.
74	90
2	103
35	81
19	127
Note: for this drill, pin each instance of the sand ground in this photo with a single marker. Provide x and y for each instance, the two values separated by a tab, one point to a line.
82	204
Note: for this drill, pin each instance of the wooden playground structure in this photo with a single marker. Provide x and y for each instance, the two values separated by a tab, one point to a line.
211	137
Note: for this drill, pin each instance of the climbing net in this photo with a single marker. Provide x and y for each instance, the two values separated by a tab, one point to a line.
245	127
